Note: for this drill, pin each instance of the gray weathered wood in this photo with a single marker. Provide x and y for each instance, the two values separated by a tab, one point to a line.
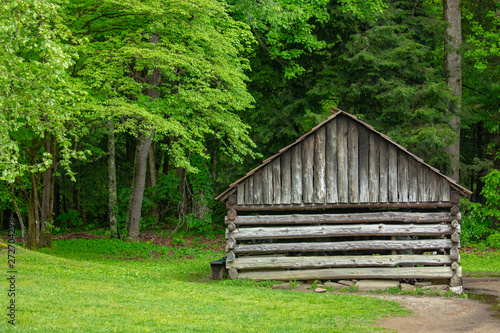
413	180
422	183
286	175
319	165
393	173
429	183
297	174
423	244
455	265
454	253
231	226
455	224
231	199
267	185
344	230
260	262
437	188
373	217
364	157
374	167
249	191
307	169
342	154
233	273
276	181
331	162
241	194
230	257
403	176
231	242
455	211
455	237
384	172
353	162
352	273
312	206
445	190
257	187
231	214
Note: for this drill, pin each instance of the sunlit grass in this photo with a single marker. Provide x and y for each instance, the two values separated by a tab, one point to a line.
96	292
481	263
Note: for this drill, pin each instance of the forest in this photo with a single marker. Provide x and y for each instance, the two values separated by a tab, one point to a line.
131	116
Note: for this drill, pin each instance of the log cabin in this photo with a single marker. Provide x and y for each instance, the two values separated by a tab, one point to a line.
344	201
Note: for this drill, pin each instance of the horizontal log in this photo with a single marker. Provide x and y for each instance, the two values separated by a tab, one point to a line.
423	244
352	273
341	231
257	262
302	206
406	217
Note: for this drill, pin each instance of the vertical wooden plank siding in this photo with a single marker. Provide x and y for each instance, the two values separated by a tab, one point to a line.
266	199
429	182
393	173
241	194
384	172
307	169
276	173
374	167
269	189
249	191
437	188
257	188
286	174
319	166
413	177
331	162
297	174
364	156
353	162
402	176
445	190
343	181
422	183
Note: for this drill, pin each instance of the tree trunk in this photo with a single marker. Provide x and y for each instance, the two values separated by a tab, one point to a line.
112	181
19	215
47	213
152	176
183	204
140	163
453	70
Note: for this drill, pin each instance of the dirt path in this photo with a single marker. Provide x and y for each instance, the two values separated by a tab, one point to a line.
439	314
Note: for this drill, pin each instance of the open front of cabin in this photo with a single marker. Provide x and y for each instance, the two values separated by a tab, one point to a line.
344	202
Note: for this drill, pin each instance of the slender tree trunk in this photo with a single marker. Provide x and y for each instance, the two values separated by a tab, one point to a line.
183	204
112	180
47	211
152	176
140	163
138	184
453	70
19	215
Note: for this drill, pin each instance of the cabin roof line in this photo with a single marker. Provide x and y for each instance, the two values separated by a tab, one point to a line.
335	113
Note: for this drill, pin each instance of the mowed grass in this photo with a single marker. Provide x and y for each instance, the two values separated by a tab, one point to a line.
480	263
87	286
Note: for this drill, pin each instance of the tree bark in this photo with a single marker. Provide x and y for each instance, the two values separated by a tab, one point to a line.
19	215
152	176
453	70
47	211
138	184
112	181
141	159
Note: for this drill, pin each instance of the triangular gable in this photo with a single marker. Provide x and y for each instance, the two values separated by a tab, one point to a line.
343	160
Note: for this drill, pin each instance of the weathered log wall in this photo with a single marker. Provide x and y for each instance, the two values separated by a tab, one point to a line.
386	244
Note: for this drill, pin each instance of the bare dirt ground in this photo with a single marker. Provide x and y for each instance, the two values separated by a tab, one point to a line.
441	314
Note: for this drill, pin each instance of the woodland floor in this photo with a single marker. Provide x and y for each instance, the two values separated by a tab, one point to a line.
479	313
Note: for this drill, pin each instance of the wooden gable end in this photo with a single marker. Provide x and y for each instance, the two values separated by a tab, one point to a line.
343	162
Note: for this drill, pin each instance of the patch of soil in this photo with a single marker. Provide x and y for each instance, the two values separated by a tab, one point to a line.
440	314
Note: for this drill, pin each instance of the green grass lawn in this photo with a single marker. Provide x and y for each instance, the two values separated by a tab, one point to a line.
480	263
88	286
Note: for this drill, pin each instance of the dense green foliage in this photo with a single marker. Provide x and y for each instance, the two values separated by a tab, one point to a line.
224	82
